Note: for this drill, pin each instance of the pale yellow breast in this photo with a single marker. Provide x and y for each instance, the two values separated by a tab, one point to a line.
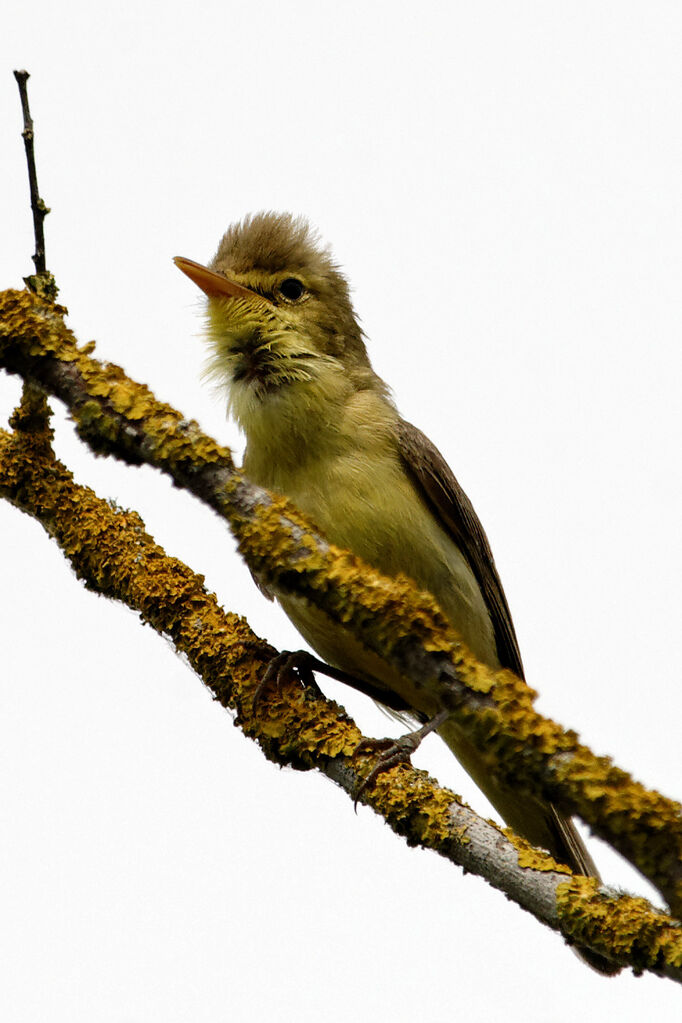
358	494
374	510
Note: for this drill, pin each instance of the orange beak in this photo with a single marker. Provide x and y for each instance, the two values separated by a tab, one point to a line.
213	284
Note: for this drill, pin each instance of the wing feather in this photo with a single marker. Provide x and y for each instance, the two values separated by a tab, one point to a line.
448	502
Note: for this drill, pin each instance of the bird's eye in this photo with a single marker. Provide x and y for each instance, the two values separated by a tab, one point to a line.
291	289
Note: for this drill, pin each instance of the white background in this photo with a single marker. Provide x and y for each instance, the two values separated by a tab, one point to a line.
502	183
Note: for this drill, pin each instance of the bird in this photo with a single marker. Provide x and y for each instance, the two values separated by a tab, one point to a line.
322	429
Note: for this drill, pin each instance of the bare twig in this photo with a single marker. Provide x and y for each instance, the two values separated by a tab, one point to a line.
42	282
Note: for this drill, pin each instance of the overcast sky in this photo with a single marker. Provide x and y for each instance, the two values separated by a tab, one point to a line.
501	182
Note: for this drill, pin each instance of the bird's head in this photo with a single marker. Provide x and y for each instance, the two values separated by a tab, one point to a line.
279	315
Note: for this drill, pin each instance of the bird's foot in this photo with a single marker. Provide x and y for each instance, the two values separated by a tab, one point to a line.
394	751
299	665
288	667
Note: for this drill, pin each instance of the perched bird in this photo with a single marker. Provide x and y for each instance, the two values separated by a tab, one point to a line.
322	430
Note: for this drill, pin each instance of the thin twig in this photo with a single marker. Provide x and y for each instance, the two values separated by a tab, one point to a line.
38	207
42	282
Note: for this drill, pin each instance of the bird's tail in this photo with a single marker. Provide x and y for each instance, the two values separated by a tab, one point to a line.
539	823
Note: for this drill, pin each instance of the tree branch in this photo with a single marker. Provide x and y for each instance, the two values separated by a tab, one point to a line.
111	552
117	416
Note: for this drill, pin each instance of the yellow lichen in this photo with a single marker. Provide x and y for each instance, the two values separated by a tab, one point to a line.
110	549
619	926
532	752
532	858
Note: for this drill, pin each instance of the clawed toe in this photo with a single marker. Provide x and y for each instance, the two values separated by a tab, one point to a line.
393	751
287	667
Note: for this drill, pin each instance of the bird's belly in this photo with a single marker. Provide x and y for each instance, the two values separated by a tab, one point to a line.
380	517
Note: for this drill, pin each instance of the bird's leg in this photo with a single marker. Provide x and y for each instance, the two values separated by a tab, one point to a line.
395	751
299	665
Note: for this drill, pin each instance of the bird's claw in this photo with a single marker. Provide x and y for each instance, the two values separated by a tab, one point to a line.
285	668
393	751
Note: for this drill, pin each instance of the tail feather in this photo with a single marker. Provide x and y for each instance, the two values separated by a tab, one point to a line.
539	823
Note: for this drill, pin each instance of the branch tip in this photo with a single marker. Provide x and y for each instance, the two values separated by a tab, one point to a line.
42	282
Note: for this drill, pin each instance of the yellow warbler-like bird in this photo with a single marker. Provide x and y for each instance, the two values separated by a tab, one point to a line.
322	430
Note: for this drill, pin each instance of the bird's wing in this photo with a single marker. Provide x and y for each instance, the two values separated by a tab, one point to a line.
541	823
453	509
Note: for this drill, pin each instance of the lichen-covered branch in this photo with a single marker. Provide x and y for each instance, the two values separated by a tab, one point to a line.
111	552
117	416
